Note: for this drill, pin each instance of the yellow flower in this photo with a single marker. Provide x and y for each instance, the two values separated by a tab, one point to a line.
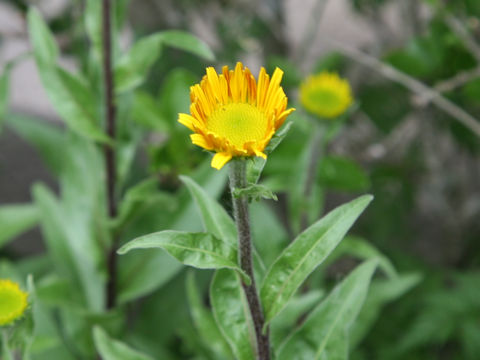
326	95
234	115
13	302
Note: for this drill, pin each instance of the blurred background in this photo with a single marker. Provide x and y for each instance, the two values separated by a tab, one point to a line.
412	141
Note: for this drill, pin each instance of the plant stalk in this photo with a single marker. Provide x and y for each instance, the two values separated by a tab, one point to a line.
108	149
316	153
238	180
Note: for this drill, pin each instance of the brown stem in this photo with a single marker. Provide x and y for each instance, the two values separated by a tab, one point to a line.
238	180
108	149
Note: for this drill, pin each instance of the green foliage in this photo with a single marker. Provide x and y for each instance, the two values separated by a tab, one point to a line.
68	93
230	309
331	320
111	349
305	253
204	322
15	219
214	217
342	174
133	67
199	250
4	94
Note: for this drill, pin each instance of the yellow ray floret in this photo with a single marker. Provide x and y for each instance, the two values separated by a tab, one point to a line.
326	95
13	302
234	115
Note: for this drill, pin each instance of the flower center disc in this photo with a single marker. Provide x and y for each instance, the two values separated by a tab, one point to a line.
324	99
238	123
10	304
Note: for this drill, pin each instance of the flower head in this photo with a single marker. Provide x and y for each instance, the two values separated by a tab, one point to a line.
234	115
13	302
326	95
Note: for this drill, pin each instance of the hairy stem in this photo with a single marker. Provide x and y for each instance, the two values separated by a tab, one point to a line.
109	150
238	180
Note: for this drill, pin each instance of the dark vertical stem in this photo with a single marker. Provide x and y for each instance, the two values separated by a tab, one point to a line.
316	153
109	150
238	180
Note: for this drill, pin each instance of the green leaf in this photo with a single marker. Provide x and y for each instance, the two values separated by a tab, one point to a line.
215	218
187	42
44	45
16	219
200	250
111	349
305	253
174	95
358	247
283	324
69	94
132	69
146	111
255	192
71	243
341	173
324	335
139	271
139	197
204	322
4	93
93	24
142	273
48	139
381	293
268	233
255	167
73	100
231	312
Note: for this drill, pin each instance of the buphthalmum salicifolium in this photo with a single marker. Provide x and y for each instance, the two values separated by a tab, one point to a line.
13	302
326	95
235	115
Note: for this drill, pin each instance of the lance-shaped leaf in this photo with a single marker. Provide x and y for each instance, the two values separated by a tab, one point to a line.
204	322
305	253
200	250
132	68
360	248
111	349
69	94
45	47
300	305
324	335
382	291
187	42
4	93
15	219
215	218
231	312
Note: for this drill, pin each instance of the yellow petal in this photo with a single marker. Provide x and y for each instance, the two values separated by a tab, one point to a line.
200	140
260	154
220	159
189	121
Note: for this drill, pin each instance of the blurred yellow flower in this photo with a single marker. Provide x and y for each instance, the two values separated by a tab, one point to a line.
13	302
326	95
233	114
